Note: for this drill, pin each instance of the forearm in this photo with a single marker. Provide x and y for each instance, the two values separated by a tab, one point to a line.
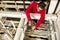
39	22
28	16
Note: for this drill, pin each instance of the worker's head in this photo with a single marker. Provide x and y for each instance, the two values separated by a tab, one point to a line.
41	6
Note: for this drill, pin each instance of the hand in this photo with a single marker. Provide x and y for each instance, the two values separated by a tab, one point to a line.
43	25
30	23
33	27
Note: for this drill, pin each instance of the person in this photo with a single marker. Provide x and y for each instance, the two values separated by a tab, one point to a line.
38	8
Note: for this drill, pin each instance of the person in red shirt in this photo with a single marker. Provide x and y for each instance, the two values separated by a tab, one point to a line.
38	8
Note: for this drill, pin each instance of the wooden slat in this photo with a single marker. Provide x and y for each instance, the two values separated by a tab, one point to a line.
10	6
8	1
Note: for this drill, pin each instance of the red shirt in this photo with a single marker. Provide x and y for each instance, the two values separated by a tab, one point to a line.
33	8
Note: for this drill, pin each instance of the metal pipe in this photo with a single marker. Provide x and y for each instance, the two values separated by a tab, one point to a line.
19	30
24	4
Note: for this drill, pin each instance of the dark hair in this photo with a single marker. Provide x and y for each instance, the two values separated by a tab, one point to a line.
42	5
